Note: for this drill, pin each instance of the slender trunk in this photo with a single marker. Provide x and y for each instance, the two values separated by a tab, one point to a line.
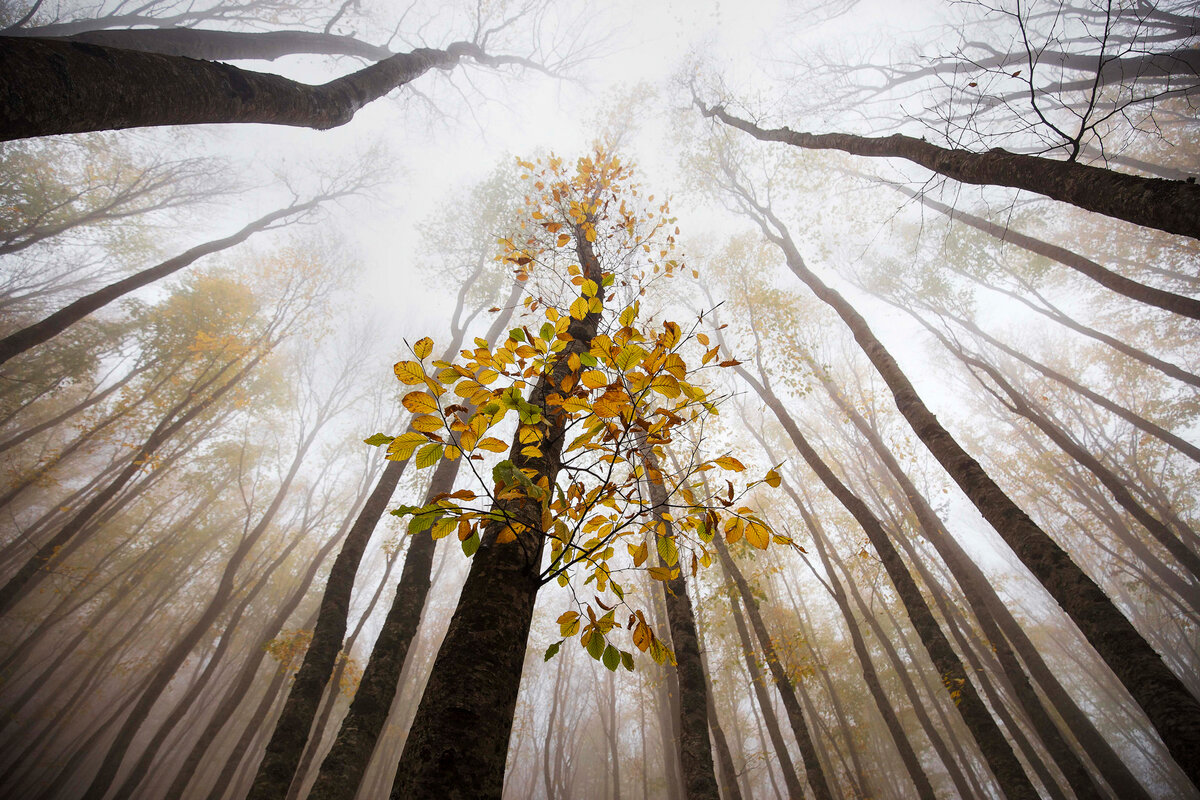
695	749
817	780
1171	708
40	332
997	623
30	572
1005	767
459	739
179	652
912	764
726	773
1151	202
1175	303
758	683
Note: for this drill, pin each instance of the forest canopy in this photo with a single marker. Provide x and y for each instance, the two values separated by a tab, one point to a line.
540	399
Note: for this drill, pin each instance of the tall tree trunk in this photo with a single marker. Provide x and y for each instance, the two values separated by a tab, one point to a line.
1171	708
1005	767
908	757
287	743
176	419
1152	202
995	618
175	657
695	749
459	739
814	772
39	332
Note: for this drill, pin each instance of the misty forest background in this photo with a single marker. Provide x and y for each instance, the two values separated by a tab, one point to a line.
901	478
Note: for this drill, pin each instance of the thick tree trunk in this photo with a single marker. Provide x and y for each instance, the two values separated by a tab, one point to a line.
287	743
815	773
1175	303
458	742
51	86
1153	202
1171	708
39	332
1005	767
343	766
217	45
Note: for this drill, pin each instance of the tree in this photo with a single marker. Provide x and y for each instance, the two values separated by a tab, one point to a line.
602	381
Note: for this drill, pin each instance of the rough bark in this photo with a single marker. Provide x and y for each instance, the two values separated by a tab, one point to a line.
1152	202
52	86
1170	301
39	332
458	742
1172	709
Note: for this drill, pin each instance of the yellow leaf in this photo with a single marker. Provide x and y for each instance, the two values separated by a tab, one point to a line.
423	347
563	239
579	308
486	376
409	372
757	534
506	535
660	573
403	445
493	444
733	530
589	288
420	403
442	528
574	404
428	424
730	463
594	379
531	452
772	479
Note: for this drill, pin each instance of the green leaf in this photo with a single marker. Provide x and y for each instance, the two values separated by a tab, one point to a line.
552	651
587	359
402	510
428	455
612	658
595	645
517	335
627	660
424	521
471	545
667	550
547	331
378	439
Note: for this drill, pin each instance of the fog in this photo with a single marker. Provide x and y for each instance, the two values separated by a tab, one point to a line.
538	399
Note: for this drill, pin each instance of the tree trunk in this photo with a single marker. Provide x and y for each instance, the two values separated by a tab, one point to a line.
1175	303
51	86
1153	202
815	773
1171	708
997	623
695	749
1005	767
458	742
39	332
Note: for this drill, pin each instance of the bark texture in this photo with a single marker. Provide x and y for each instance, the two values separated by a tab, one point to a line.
1167	205
50	86
458	742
